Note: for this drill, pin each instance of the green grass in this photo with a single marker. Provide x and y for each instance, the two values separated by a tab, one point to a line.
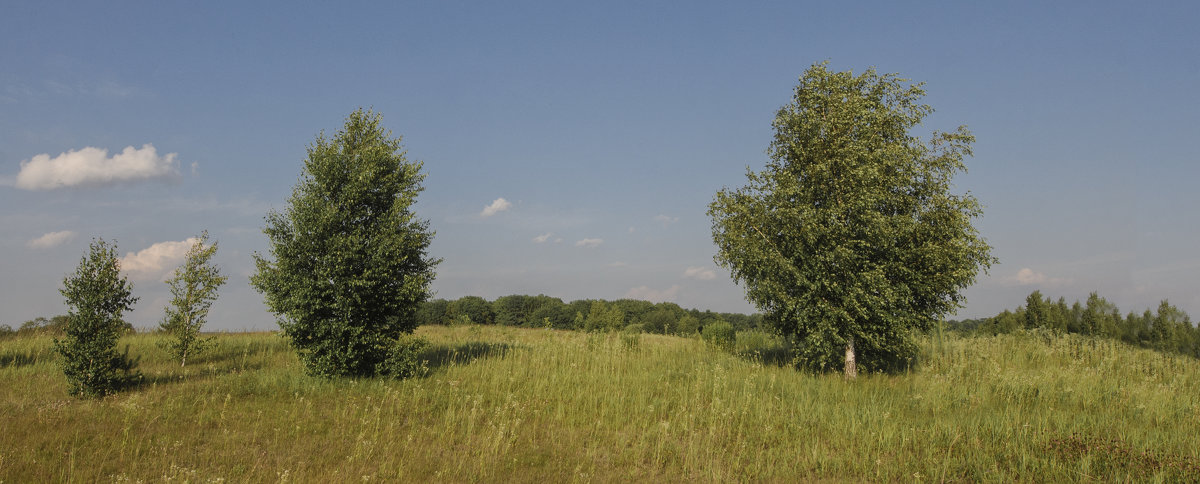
532	405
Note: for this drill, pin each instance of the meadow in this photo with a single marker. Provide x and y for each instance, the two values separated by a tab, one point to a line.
503	404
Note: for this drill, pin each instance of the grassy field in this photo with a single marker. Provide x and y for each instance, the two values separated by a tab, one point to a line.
526	405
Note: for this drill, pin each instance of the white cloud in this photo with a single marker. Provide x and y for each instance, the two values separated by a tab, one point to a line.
93	166
589	243
699	273
1027	276
52	239
1030	277
498	205
157	260
645	293
665	219
541	239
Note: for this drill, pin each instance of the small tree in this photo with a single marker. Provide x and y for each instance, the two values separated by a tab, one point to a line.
96	295
193	290
850	239
349	268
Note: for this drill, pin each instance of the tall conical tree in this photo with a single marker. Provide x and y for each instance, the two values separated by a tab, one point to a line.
349	265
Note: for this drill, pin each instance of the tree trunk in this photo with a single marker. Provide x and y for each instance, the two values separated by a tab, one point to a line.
851	366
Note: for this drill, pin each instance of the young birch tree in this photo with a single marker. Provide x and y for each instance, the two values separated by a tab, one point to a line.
193	290
850	240
96	295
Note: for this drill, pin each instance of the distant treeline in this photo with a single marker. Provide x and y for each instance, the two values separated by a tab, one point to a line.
53	326
543	311
1167	329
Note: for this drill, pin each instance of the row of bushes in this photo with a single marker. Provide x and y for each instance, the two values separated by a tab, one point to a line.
543	311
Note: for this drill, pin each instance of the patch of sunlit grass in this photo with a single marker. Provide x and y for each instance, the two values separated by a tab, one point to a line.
507	404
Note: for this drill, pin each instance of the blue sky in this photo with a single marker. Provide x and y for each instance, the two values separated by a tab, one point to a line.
607	125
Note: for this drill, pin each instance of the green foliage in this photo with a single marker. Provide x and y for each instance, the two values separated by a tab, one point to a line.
350	267
687	325
193	290
850	237
543	311
433	312
720	334
404	359
764	347
56	325
475	308
1167	329
604	316
96	296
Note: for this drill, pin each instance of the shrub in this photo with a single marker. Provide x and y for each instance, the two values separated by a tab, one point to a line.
96	295
404	359
720	334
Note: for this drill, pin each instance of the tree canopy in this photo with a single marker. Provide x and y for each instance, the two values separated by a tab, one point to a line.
96	296
850	238
349	266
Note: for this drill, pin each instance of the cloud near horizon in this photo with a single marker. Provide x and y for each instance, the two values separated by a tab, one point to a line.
699	273
498	205
93	166
157	260
1030	277
52	239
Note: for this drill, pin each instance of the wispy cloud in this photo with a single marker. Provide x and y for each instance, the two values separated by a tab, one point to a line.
699	273
541	239
155	261
498	205
589	243
93	166
1030	277
52	239
646	293
665	220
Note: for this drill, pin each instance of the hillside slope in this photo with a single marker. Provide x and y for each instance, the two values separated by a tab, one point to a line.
526	405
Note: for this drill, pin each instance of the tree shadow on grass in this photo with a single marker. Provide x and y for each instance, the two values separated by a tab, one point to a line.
437	356
779	356
199	370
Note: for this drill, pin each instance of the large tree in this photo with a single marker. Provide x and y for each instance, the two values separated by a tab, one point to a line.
349	267
193	289
96	295
850	239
